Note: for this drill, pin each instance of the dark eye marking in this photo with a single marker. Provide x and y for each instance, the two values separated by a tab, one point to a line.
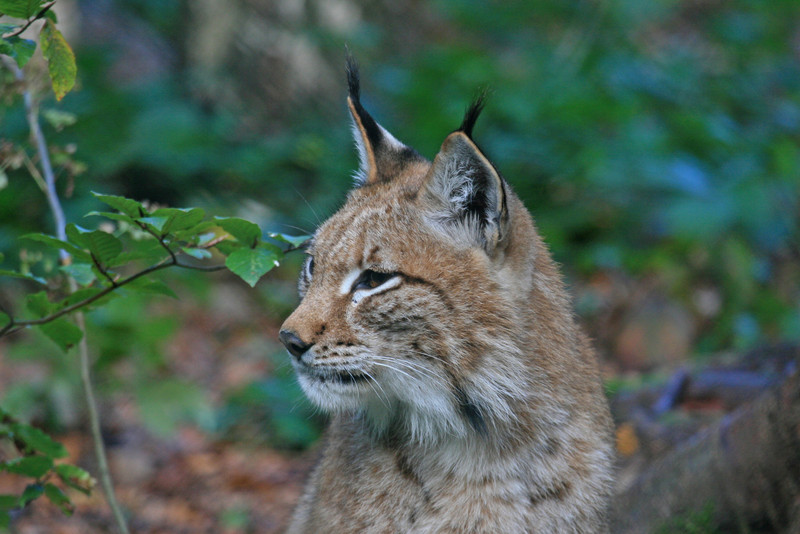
370	279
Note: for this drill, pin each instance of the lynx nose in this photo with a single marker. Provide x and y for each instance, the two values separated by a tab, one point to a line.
296	346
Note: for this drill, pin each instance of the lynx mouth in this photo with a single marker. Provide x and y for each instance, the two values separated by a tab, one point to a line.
335	377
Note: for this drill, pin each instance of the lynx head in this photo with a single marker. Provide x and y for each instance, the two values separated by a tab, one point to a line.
410	313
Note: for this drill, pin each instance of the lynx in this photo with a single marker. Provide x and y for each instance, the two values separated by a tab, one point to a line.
435	329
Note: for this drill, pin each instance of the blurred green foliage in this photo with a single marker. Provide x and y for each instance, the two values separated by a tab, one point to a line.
656	140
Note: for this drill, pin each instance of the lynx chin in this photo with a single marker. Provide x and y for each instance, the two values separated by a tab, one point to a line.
435	329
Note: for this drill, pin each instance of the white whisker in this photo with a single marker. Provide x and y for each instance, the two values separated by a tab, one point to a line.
372	384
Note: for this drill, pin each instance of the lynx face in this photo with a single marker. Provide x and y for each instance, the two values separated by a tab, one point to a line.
404	292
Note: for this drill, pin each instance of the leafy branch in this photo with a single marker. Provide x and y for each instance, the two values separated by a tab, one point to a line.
161	238
42	12
55	49
91	261
37	452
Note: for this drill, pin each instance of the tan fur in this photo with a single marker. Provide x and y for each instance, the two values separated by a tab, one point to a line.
478	406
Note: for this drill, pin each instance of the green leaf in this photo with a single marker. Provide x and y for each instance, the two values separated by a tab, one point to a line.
274	249
8	502
103	246
157	223
196	234
15	274
111	215
251	264
60	59
149	250
155	287
179	218
20	50
32	491
57	244
80	272
246	232
37	440
76	478
20	9
128	206
39	304
5	520
30	466
295	241
228	247
64	333
198	253
186	218
57	497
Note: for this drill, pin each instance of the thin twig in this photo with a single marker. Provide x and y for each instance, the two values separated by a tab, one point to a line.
32	112
86	301
160	239
7	329
103	271
94	421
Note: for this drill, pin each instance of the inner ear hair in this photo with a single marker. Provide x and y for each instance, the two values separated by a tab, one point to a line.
469	194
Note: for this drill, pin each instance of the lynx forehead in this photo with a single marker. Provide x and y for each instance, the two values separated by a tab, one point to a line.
435	329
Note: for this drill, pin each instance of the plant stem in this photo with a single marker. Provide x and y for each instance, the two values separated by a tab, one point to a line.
94	423
32	110
85	363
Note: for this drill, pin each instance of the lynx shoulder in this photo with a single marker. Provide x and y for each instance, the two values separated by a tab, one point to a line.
435	329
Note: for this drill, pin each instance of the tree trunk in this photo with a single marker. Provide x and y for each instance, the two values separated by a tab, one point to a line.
740	475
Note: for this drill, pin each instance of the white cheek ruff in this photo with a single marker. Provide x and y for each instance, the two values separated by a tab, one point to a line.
389	284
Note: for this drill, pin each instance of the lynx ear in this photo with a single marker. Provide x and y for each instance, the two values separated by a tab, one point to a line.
380	155
467	195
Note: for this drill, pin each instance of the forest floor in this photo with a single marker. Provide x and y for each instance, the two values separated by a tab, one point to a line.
197	482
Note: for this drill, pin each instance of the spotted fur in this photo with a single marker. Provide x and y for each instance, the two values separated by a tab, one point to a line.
435	328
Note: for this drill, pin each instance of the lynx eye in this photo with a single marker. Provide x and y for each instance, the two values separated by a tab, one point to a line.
370	279
304	279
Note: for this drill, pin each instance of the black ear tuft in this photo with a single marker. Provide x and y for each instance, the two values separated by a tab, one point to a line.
353	81
381	156
472	113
